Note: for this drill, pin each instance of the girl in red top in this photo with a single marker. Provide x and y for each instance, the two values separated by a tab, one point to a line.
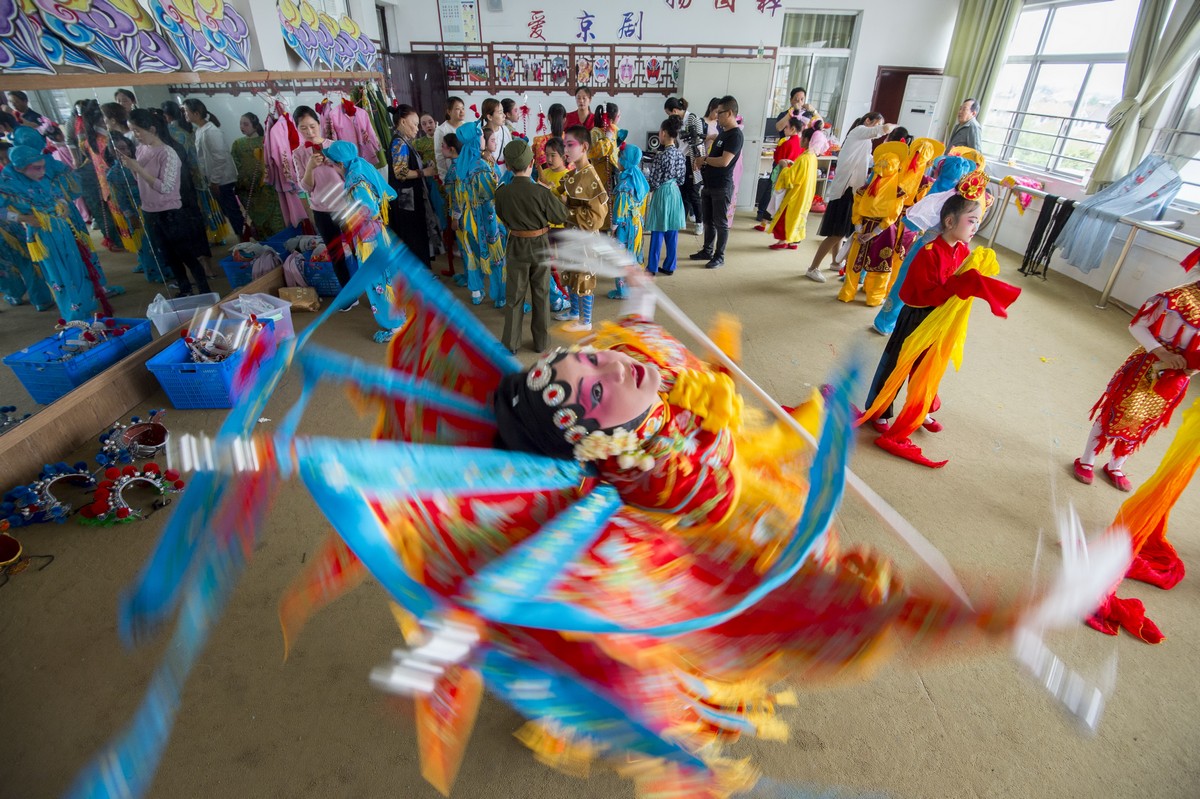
929	283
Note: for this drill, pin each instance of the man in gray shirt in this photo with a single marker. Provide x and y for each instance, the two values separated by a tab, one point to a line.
966	132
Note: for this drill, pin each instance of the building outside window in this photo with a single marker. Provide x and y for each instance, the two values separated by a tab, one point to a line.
1179	139
1064	72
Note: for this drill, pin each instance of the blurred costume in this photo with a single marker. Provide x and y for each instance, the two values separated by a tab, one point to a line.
879	241
633	587
1143	517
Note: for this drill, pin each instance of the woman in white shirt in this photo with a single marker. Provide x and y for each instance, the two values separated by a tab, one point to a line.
853	167
216	163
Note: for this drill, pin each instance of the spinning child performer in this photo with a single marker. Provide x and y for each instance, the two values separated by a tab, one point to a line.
1151	383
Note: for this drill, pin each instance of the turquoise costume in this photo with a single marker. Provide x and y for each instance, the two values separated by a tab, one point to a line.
486	238
62	251
629	208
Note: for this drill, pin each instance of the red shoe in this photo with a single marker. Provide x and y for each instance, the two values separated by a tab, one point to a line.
1118	479
932	425
903	448
760	228
793	246
1084	473
779	245
880	425
448	272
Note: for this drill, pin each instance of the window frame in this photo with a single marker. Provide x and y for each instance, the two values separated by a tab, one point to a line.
1009	148
813	53
1165	135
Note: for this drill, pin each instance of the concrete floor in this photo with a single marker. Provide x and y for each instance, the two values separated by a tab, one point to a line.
253	725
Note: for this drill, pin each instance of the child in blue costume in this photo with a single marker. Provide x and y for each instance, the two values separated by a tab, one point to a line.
485	240
123	185
62	251
18	275
370	194
948	171
629	208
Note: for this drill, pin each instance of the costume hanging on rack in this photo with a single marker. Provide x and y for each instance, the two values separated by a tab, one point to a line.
1144	193
281	139
92	148
370	98
345	121
1049	225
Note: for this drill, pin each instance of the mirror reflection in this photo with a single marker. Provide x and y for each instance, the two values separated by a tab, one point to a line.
114	196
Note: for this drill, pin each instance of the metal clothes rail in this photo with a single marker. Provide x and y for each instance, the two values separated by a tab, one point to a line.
1167	229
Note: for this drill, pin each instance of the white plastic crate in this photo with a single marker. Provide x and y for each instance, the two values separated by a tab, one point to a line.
280	313
170	314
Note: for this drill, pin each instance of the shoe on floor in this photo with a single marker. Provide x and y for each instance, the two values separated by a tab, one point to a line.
348	307
699	229
577	327
1117	478
665	273
880	425
760	228
476	297
460	281
1083	472
715	263
932	425
565	316
703	255
779	245
816	274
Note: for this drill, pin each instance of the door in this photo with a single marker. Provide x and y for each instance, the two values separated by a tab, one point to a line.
890	84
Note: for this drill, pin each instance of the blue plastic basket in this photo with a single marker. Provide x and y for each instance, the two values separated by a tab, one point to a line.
195	385
320	275
46	378
239	272
278	242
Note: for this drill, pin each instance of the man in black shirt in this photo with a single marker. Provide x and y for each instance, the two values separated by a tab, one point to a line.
25	115
717	170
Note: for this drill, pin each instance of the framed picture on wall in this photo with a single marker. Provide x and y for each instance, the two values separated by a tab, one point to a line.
583	71
558	70
600	70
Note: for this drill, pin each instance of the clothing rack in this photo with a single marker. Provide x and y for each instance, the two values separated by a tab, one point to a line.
334	81
1008	192
1167	229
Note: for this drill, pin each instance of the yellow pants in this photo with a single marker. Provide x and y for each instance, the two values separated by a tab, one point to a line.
876	285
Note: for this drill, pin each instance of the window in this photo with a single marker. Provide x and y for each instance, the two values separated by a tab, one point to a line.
1179	142
814	53
1064	72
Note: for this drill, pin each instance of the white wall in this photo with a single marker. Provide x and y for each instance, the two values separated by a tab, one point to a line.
916	34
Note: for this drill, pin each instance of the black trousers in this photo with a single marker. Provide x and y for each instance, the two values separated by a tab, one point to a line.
908	321
174	235
715	204
331	233
691	195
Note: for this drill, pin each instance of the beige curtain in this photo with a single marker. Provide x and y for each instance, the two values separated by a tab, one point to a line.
1158	56
982	31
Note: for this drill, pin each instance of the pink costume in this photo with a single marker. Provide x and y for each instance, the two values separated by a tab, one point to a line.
280	139
345	121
